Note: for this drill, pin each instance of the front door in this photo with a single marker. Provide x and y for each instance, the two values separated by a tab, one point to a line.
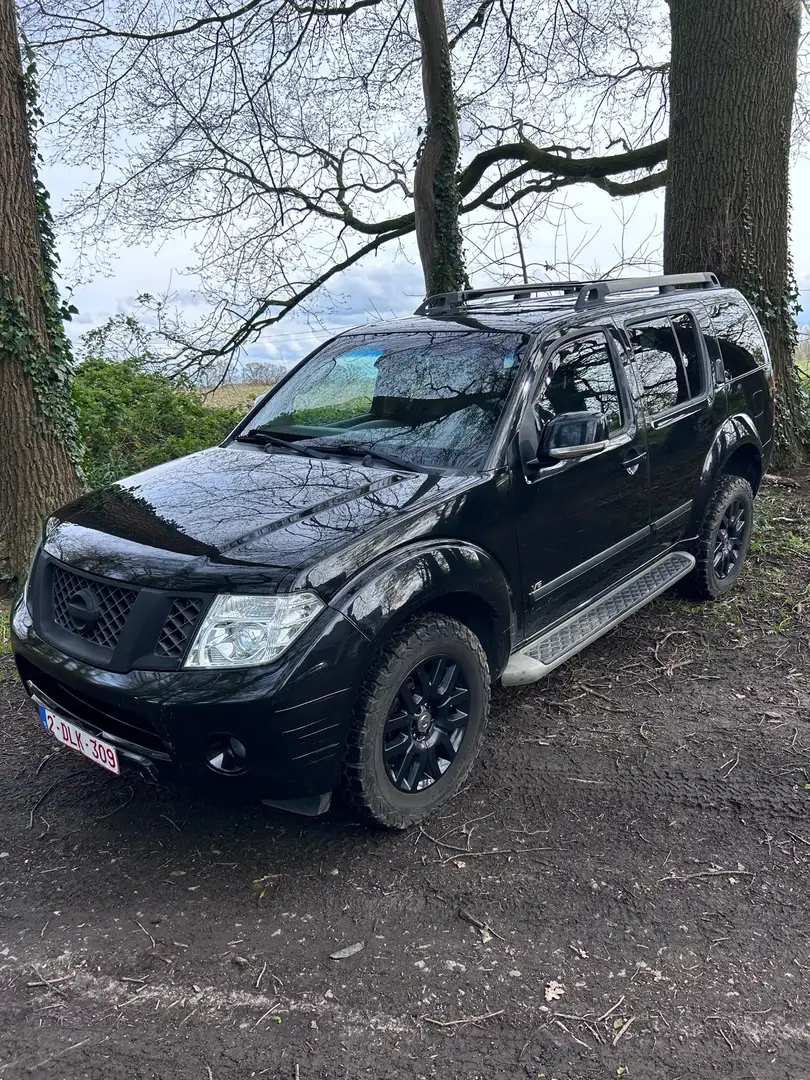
582	524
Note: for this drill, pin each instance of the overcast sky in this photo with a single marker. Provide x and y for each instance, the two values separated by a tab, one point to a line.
390	283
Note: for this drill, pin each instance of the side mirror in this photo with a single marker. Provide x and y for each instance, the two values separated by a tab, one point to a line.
575	435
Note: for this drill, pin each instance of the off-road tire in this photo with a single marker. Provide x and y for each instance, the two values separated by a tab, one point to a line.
703	583
366	783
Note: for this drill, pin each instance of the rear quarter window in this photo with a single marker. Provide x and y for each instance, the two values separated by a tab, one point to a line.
738	338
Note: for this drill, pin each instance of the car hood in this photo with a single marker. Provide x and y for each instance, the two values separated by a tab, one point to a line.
238	514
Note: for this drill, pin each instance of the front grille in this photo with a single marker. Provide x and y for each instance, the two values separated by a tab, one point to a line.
179	626
113	602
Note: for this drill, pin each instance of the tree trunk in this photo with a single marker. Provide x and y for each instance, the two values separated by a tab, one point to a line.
733	85
36	471
436	195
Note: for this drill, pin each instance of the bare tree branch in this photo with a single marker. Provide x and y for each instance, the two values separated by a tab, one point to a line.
280	137
94	30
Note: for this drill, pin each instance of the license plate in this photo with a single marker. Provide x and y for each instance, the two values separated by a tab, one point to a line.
77	739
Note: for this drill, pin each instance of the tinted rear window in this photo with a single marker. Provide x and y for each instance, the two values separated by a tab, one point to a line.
669	360
738	337
687	333
658	361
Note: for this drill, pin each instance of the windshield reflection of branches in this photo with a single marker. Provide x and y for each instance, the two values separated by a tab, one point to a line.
430	398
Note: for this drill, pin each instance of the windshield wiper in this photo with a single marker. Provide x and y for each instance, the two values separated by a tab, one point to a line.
264	438
353	450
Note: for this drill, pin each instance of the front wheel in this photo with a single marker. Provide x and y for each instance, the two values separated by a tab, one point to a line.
723	540
419	722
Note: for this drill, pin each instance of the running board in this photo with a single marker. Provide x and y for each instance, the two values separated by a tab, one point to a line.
539	657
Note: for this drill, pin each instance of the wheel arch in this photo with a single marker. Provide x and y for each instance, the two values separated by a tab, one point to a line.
480	617
746	461
735	451
453	578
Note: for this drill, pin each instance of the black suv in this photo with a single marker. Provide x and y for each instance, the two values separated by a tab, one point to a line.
418	509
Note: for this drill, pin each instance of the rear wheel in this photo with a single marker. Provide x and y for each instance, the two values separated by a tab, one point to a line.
419	722
723	541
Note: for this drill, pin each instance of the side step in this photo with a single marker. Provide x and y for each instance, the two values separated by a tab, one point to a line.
555	646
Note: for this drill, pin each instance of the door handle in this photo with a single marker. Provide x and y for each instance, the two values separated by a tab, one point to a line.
633	460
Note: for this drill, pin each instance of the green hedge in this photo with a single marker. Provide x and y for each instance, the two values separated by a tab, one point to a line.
132	417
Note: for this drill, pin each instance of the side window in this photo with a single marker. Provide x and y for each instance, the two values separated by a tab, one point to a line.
581	378
669	361
686	332
739	337
658	361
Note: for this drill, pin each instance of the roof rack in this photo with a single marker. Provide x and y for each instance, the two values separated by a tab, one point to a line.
588	293
598	291
442	303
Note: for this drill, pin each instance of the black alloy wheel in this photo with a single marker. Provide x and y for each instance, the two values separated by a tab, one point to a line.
729	540
427	724
419	721
723	540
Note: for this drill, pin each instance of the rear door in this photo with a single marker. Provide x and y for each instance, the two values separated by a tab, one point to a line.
682	413
582	524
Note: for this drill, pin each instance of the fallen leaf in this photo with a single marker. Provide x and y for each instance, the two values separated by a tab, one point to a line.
459	863
350	950
554	990
486	936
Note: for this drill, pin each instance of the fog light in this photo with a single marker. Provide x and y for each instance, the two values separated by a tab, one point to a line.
227	755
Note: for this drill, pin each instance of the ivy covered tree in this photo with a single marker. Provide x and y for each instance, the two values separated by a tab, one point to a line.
733	85
37	429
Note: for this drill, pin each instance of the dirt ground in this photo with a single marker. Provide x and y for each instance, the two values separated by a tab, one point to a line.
620	891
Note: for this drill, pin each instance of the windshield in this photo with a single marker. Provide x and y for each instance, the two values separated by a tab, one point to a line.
431	399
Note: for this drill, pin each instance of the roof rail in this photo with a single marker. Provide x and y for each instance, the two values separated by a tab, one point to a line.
597	292
442	303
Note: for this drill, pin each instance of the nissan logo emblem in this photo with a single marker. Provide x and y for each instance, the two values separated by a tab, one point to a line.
83	607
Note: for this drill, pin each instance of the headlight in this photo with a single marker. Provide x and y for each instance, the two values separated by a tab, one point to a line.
244	631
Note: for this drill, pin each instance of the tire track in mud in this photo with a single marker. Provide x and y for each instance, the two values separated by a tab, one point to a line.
655	786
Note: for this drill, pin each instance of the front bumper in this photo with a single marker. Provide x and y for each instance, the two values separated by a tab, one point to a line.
291	717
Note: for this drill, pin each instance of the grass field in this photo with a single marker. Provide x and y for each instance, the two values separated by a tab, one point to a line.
233	395
803	352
